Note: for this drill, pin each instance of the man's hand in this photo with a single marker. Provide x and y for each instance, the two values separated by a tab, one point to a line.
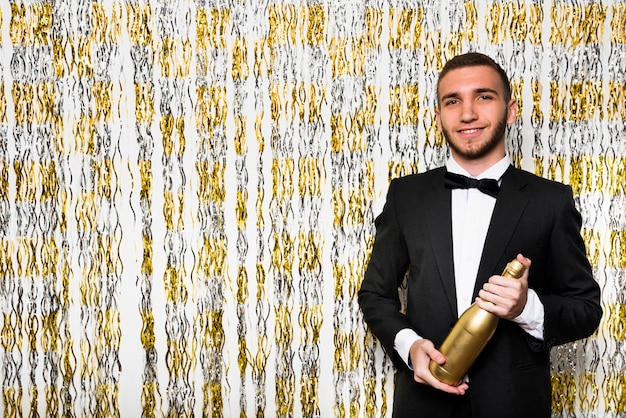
505	297
422	351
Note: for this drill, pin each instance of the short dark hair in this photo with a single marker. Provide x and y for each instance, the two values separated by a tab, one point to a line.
476	59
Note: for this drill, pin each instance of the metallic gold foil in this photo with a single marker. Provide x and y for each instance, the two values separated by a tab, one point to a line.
265	134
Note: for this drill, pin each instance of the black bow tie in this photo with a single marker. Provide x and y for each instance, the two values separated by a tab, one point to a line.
457	181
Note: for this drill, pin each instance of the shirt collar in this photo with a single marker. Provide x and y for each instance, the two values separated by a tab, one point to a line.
496	171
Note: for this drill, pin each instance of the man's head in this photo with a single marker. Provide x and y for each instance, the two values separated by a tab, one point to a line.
474	106
475	59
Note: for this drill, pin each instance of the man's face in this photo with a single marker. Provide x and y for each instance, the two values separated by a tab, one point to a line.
473	113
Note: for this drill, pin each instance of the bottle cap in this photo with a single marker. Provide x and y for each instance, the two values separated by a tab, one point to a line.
514	269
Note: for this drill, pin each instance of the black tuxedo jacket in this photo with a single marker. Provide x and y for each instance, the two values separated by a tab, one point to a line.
532	216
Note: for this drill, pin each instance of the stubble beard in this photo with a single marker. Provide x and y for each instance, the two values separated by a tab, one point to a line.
482	150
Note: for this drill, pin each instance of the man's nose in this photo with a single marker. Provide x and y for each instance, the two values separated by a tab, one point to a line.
469	111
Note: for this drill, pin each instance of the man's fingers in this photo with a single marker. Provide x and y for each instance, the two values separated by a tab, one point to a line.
436	356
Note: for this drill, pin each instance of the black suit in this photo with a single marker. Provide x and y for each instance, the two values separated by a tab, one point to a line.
532	216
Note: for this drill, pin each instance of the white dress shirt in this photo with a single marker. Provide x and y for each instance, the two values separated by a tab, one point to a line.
471	215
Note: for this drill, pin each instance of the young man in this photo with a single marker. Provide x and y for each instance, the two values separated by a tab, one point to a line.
452	242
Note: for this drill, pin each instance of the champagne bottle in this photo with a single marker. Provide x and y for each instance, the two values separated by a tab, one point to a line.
469	336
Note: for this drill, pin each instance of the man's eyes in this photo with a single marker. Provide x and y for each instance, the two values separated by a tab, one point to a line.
481	97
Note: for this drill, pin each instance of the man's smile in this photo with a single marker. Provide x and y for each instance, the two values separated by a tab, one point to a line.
470	132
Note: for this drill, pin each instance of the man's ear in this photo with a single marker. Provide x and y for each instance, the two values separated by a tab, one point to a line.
511	113
438	118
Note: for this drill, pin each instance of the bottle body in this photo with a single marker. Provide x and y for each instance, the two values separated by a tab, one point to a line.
468	337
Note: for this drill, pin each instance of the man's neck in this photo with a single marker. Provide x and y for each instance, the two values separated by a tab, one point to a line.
493	170
478	166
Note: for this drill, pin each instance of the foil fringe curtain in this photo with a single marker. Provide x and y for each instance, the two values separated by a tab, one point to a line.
188	189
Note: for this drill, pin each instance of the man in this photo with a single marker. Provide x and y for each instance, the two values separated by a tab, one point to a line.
453	243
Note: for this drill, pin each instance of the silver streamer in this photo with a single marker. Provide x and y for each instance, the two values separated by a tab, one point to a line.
188	192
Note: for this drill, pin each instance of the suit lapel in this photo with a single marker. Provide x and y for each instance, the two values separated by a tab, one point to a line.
439	218
506	214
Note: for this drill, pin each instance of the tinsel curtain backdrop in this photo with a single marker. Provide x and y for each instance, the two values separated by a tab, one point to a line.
188	191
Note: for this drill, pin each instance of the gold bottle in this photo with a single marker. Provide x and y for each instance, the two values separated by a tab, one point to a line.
469	336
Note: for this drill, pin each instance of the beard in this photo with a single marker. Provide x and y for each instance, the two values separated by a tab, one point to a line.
482	149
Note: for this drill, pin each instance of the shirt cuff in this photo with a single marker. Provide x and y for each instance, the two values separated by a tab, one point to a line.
403	342
531	319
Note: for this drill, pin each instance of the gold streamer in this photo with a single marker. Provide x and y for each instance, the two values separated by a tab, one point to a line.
164	86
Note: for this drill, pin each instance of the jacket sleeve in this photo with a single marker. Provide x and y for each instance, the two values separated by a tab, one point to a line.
378	295
572	299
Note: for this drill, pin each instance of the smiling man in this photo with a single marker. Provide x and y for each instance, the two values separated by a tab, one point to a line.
450	232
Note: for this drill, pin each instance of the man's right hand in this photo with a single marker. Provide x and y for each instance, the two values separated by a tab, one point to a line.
422	352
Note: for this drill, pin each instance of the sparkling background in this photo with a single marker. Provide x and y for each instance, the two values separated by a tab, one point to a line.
188	191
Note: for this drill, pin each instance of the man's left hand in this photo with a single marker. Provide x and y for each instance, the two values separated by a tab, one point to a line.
505	297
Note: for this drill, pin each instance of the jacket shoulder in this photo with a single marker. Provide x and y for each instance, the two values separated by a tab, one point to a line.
527	179
419	179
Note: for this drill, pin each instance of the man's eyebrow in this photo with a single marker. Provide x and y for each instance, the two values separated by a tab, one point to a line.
487	90
477	91
449	96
